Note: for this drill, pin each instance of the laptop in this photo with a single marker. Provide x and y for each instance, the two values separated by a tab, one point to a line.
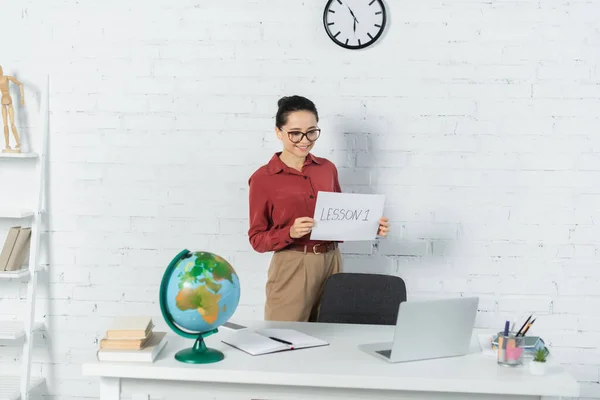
429	329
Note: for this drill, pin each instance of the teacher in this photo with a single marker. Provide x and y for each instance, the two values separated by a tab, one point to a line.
282	200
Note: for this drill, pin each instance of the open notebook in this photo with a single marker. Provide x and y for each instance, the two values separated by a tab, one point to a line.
266	341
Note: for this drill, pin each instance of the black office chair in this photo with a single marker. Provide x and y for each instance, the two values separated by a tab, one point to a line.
355	298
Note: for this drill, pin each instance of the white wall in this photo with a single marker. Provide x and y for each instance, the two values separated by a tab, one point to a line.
477	119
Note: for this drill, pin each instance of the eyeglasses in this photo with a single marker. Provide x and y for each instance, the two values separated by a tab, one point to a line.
297	136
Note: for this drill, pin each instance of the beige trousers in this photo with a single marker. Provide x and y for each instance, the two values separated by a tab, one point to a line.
295	284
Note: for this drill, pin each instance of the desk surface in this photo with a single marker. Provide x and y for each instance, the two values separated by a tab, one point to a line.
343	365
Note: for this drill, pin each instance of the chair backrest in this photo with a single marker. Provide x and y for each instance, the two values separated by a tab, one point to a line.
357	298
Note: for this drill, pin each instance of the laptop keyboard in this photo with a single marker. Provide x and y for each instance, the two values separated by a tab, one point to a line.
385	353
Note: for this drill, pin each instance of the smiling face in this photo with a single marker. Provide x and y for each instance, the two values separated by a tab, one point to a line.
291	134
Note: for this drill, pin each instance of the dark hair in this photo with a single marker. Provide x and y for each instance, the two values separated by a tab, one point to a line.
289	104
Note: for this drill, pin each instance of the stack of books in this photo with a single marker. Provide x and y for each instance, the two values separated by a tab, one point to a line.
131	339
16	249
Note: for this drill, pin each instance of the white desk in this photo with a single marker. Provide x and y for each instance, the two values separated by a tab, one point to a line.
338	371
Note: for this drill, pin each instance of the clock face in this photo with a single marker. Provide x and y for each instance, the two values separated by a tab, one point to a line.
354	24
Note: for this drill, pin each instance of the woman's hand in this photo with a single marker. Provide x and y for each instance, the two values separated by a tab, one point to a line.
301	227
384	226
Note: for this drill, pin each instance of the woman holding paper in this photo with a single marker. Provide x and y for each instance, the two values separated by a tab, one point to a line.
282	201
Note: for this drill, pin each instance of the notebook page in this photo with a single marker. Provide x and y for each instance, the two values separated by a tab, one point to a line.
253	343
298	339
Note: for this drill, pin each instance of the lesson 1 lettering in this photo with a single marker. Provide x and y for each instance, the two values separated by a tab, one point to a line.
342	214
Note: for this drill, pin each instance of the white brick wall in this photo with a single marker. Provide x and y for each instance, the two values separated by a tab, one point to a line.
477	119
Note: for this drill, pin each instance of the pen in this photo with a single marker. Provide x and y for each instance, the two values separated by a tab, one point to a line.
528	326
511	342
501	342
281	341
524	324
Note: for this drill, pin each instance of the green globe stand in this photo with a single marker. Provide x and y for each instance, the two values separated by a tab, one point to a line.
199	353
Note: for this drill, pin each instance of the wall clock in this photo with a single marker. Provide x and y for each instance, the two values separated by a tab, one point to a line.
354	24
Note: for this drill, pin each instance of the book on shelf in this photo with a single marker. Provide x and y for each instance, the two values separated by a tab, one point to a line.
15	251
131	339
265	341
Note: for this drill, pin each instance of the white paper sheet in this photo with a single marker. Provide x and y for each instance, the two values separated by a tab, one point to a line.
347	216
267	341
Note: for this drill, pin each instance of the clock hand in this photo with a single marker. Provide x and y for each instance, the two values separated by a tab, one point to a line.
353	16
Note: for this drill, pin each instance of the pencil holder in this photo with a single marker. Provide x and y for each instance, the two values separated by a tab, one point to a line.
510	350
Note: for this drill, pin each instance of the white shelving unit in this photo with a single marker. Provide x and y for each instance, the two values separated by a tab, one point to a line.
14	274
17	386
15	330
18	155
10	387
8	212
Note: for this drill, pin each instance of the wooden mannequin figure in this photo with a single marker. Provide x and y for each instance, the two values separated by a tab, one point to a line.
7	110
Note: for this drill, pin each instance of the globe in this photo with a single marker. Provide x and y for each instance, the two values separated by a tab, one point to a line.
199	292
